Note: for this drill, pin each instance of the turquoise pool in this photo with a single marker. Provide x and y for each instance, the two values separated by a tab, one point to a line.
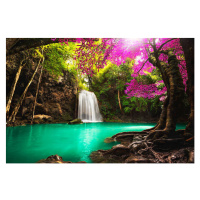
28	144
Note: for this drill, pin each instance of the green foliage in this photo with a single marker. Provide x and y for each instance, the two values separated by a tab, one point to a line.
112	79
134	103
106	84
35	53
155	104
82	86
57	58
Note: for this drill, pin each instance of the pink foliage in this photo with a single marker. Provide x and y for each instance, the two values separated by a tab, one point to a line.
139	50
117	50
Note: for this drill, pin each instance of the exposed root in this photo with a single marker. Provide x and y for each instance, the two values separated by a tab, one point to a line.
160	146
154	153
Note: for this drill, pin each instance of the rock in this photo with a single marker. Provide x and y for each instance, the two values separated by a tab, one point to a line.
109	140
105	156
42	117
184	155
55	98
28	100
59	109
119	150
56	159
191	157
41	108
76	121
52	159
137	159
97	156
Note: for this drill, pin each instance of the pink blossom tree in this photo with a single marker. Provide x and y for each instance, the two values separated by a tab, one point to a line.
162	54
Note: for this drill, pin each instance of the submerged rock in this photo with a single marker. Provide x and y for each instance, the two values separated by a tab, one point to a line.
76	121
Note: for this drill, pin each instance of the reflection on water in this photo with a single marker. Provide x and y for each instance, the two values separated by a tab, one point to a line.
28	144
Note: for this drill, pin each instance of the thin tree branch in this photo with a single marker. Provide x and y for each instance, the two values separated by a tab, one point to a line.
166	43
143	65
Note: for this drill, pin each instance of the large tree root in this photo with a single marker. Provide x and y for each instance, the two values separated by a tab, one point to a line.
137	147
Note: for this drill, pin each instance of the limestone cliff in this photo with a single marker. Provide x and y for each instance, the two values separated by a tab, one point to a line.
56	97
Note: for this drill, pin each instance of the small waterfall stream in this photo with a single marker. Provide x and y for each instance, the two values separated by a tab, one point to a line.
88	109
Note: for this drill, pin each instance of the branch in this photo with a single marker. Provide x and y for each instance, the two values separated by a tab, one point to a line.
27	43
21	44
149	42
166	43
143	65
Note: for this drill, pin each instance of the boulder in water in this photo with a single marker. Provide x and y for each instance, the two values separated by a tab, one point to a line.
109	140
76	121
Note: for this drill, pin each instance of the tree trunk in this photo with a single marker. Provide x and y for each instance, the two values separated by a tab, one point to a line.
13	88
175	94
76	100
163	116
188	48
120	106
39	80
15	111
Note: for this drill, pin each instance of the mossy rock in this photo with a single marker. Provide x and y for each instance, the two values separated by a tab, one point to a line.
109	140
76	121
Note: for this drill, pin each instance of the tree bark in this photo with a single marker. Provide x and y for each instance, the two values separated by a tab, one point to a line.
188	48
163	115
120	106
15	111
13	88
76	100
39	80
176	93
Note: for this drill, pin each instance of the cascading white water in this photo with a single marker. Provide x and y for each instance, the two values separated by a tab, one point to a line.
88	109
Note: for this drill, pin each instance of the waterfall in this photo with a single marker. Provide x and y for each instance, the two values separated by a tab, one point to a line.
88	109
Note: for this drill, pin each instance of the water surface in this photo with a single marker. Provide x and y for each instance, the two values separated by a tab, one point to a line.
28	144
